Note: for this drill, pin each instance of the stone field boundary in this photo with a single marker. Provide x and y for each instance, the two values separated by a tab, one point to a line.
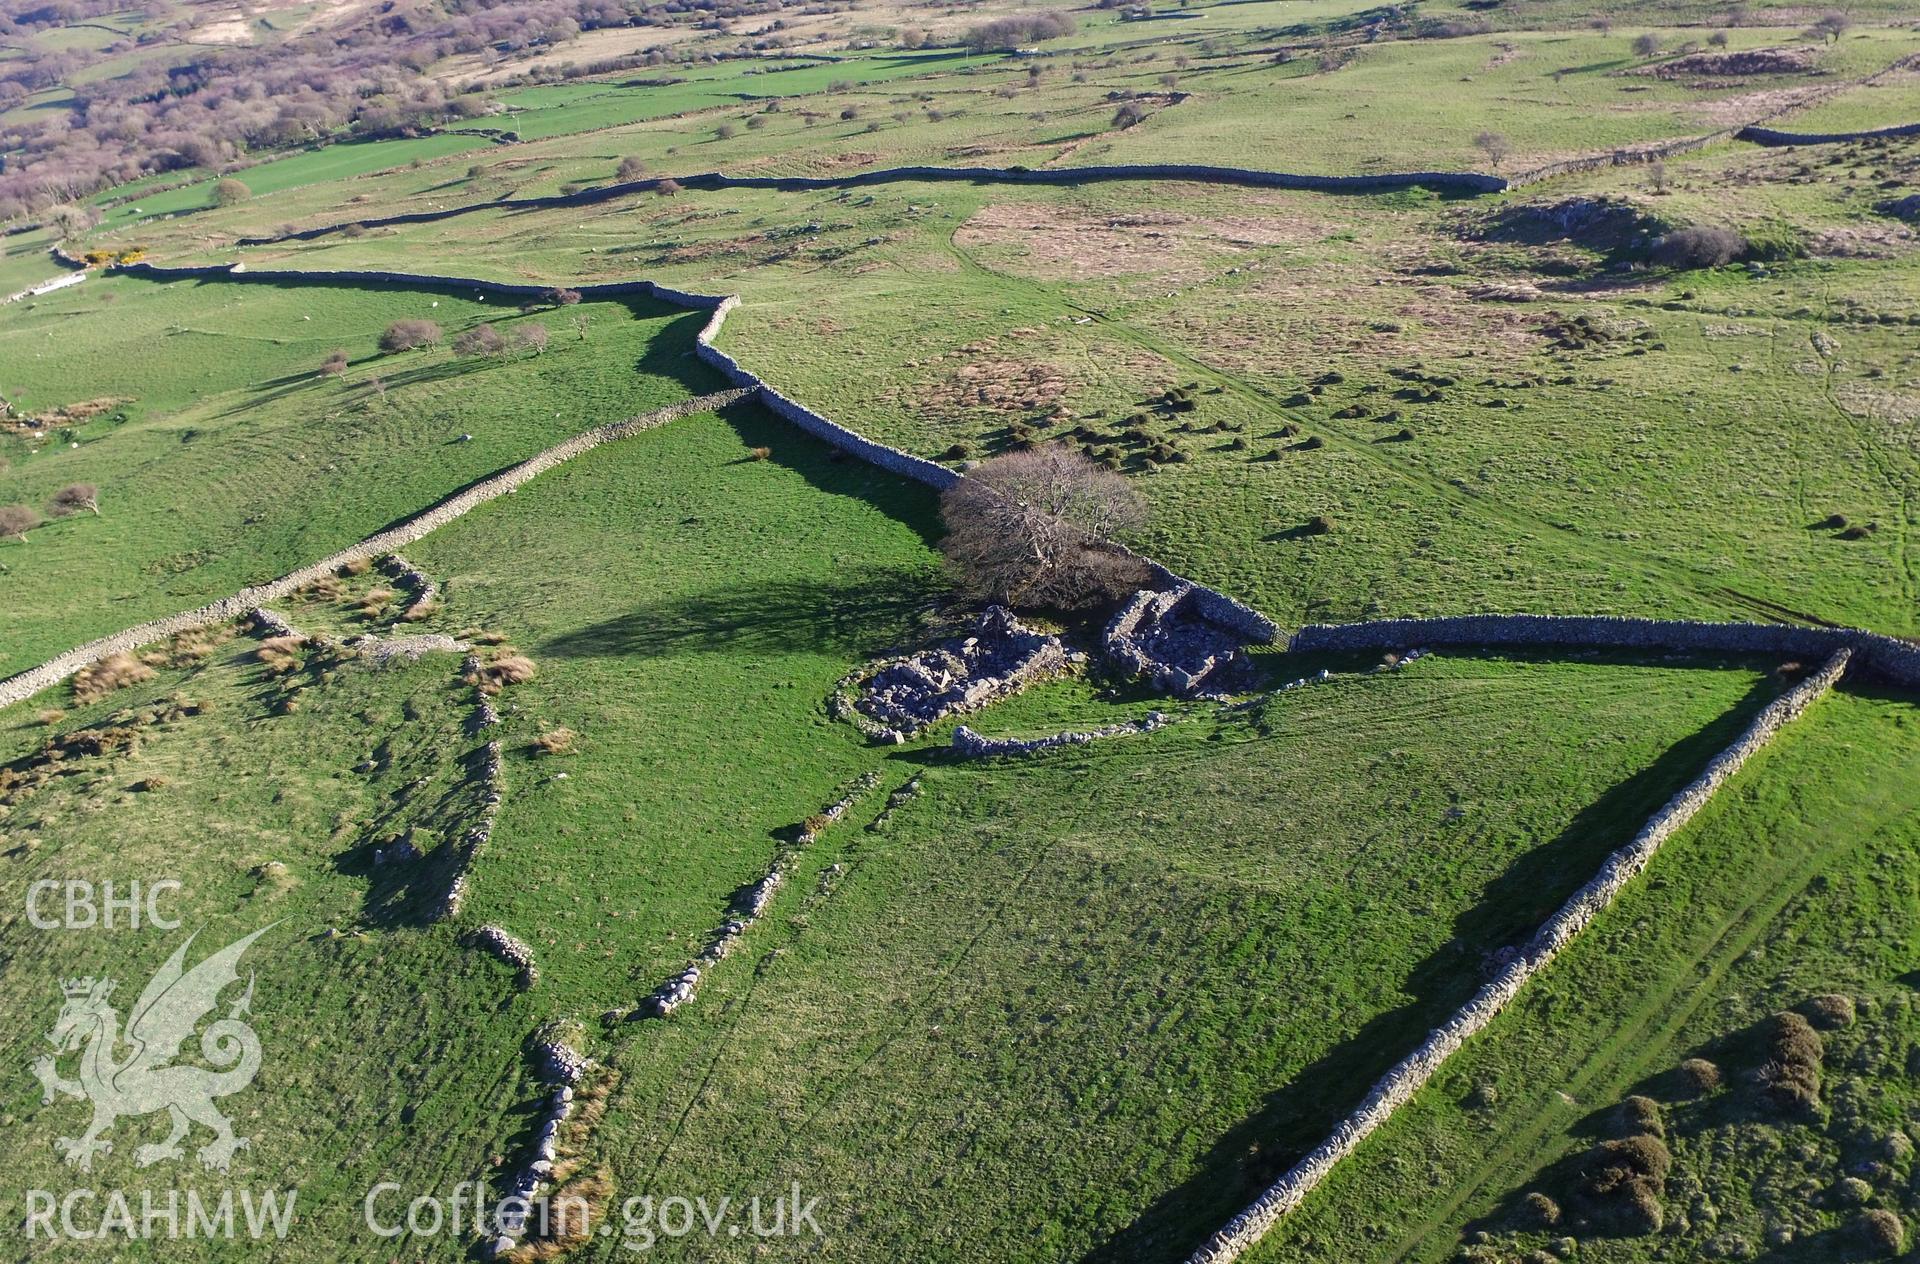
1397	1087
27	683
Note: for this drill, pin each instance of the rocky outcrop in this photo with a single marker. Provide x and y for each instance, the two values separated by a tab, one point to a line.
424	592
271	623
1167	638
970	745
1398	1085
995	657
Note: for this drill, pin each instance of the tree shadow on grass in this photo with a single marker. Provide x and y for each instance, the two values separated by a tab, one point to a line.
1297	1116
857	614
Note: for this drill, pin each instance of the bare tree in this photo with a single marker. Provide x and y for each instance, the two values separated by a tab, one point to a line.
581	321
1647	45
1494	146
1831	26
72	498
532	338
1035	528
334	365
16	521
630	168
668	187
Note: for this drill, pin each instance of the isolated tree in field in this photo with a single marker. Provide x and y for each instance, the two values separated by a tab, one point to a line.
630	168
531	338
230	192
16	521
481	340
1718	39
1129	113
1033	528
668	187
1647	45
1494	146
406	335
1831	26
334	365
72	498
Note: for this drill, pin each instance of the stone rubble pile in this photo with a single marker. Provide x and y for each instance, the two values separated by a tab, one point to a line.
996	656
1167	638
385	651
971	745
559	1065
492	786
514	952
271	623
751	902
425	592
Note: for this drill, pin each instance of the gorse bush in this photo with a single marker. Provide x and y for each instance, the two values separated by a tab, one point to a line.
1789	1077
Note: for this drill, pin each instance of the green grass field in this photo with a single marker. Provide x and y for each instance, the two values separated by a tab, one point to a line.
1086	1005
1790	886
220	469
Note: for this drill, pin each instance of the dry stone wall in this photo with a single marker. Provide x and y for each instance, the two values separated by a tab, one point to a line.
1398	1086
1443	181
1768	136
1888	658
53	671
968	744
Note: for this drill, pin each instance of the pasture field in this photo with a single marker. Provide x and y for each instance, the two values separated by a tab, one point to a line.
1798	884
217	469
1084	1005
389	1051
1077	1005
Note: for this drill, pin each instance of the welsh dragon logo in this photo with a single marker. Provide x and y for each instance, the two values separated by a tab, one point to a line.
145	1079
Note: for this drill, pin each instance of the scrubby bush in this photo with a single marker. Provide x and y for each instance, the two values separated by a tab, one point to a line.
481	340
280	654
630	168
1881	1232
1699	1076
230	192
334	365
760	454
1639	1116
555	742
508	667
1790	1074
668	187
1830	1011
1009	33
1541	1210
73	498
1623	1181
16	521
1698	246
116	671
410	334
